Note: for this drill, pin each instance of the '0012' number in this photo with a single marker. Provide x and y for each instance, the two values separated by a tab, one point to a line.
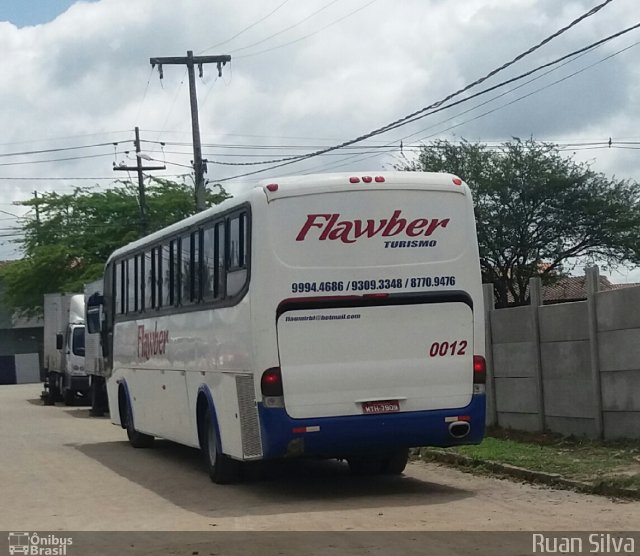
442	349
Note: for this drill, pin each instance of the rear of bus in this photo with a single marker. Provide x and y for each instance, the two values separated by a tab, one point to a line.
371	287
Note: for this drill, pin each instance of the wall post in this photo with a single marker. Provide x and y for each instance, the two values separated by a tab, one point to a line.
489	306
593	286
535	295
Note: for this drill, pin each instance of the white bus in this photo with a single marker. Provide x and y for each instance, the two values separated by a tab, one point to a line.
334	316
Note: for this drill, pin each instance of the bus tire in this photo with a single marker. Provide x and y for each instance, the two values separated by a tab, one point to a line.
221	468
395	463
136	439
364	465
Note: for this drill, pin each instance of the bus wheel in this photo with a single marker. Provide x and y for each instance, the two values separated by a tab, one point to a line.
136	439
363	465
395	463
222	469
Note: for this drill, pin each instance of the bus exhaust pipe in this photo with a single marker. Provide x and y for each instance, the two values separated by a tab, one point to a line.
459	429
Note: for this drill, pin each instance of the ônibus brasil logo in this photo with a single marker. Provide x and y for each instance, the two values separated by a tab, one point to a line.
38	545
331	227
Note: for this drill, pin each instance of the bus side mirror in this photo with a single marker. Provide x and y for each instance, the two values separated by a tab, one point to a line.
59	341
94	313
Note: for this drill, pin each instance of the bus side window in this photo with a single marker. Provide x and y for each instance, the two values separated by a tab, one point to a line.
220	256
175	274
157	258
149	280
117	288
167	284
196	264
187	270
123	286
132	297
208	259
140	284
236	259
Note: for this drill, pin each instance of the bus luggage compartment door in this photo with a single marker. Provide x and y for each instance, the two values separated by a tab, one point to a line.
376	359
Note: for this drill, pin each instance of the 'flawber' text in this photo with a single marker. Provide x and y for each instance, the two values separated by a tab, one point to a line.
330	227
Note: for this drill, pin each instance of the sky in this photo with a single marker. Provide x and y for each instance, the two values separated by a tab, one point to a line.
76	80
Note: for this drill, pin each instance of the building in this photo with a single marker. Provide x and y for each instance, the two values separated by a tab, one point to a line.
20	348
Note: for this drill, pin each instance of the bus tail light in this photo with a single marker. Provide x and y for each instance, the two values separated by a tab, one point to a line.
271	386
479	374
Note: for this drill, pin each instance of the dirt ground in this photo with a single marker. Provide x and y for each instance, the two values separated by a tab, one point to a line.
62	470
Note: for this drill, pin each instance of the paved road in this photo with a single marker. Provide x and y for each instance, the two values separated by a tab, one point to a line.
63	470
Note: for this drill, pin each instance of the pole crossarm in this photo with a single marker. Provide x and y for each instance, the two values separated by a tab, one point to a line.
195	59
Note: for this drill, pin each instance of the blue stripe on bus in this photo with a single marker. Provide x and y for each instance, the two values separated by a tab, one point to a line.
363	434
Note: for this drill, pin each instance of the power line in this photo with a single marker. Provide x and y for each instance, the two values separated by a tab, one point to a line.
332	23
290	27
63	138
60	149
440	131
435	107
58	159
567	147
144	95
69	178
246	28
419	113
36	178
535	91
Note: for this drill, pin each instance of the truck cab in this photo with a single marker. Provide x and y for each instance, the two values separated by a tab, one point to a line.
66	376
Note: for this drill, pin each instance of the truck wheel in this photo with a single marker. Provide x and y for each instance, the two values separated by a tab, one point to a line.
222	469
69	397
136	439
97	406
54	388
395	463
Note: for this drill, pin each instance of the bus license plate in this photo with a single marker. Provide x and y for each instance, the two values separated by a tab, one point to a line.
388	406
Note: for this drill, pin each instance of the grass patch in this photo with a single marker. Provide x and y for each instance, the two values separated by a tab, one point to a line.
601	464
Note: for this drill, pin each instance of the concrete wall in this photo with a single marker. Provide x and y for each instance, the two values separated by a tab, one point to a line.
619	361
571	368
515	359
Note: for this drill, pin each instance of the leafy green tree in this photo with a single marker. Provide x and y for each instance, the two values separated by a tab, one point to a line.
74	234
538	213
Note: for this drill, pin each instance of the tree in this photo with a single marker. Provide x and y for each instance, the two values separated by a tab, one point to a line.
74	234
538	213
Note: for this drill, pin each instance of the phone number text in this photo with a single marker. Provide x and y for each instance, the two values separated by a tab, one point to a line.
374	284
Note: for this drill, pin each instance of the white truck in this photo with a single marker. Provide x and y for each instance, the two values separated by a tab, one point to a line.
93	358
64	348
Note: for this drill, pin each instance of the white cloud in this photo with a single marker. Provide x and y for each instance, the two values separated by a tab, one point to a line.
88	72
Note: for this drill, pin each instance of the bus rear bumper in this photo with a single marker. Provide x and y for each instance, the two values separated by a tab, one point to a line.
336	437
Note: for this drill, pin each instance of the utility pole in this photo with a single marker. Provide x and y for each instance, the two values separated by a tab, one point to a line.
37	207
139	168
190	60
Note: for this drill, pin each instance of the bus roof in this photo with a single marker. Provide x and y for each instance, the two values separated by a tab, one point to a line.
309	184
